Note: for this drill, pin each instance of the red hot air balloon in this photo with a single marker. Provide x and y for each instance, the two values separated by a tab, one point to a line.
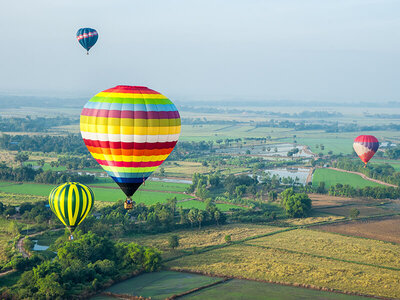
366	146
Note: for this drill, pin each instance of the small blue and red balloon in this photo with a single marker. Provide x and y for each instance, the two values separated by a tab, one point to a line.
87	37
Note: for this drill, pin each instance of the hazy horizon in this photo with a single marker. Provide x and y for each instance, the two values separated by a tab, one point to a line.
342	51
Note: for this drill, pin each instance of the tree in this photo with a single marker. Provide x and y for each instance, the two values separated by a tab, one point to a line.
354	213
321	187
21	157
228	238
200	217
272	196
297	205
162	171
173	241
192	216
217	216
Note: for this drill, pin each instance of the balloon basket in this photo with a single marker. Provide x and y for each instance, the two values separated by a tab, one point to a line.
128	204
71	238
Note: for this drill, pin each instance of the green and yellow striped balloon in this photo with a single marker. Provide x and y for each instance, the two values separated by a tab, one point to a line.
71	202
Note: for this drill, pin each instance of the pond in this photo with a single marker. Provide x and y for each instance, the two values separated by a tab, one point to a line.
38	247
170	180
278	150
300	173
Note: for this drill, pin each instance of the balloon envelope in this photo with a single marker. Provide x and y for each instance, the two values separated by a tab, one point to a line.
87	37
366	146
71	202
130	131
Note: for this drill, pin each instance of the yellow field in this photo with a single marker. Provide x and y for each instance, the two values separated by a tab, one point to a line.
253	262
335	246
312	220
205	237
16	199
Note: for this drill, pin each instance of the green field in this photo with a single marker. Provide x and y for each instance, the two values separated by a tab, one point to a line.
160	285
245	289
18	193
102	194
332	177
150	185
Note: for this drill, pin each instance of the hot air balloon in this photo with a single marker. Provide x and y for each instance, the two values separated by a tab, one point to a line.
366	146
130	131
71	202
87	37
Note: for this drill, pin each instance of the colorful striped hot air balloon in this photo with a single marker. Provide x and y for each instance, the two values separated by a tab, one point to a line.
71	202
87	37
130	131
366	146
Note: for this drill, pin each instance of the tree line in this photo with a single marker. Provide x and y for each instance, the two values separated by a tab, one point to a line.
28	174
29	124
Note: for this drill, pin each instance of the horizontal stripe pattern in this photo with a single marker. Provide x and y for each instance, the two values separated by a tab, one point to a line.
131	122
130	131
71	202
129	114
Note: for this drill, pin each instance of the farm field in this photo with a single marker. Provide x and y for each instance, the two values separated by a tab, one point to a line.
332	177
216	132
259	263
322	200
236	288
149	185
15	199
184	169
208	236
17	193
364	210
334	246
160	285
385	229
102	194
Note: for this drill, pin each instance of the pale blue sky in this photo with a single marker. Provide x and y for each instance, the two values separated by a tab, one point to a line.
317	50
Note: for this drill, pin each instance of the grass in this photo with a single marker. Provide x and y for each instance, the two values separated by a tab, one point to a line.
201	205
258	263
48	238
160	285
102	194
332	177
15	199
335	246
207	236
27	188
236	289
150	185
